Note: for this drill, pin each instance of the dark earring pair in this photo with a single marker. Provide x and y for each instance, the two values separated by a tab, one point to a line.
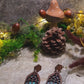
54	78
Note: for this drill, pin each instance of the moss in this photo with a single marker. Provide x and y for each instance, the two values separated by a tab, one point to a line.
17	41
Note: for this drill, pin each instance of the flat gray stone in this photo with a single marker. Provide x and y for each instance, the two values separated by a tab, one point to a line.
12	10
15	71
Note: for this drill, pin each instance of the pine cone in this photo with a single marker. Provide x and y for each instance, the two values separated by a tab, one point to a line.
54	42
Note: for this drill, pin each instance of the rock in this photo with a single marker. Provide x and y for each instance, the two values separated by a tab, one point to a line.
74	79
12	10
76	50
15	71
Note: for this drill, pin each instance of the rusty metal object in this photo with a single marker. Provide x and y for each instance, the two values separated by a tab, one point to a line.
77	63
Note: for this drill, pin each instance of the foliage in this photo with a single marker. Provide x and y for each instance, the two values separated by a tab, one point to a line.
1	43
77	25
62	25
11	45
36	52
16	41
5	35
67	20
4	31
4	27
34	37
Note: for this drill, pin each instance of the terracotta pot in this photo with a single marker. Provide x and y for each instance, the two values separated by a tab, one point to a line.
54	13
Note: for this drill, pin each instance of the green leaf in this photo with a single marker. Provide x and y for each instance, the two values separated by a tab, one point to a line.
36	52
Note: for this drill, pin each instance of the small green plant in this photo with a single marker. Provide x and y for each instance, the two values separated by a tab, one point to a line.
16	41
34	36
62	25
36	52
11	45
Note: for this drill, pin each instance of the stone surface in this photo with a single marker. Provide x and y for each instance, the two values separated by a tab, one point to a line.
74	79
12	10
15	71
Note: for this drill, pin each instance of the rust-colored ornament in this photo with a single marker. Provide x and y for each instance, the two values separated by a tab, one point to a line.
16	28
54	13
55	78
42	13
68	13
34	77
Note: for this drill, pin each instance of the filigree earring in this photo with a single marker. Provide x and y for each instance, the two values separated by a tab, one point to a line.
34	77
55	78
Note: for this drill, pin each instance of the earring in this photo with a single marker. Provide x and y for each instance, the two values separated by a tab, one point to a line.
34	77
55	78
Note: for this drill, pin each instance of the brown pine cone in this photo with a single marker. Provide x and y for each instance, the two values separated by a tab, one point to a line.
54	41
